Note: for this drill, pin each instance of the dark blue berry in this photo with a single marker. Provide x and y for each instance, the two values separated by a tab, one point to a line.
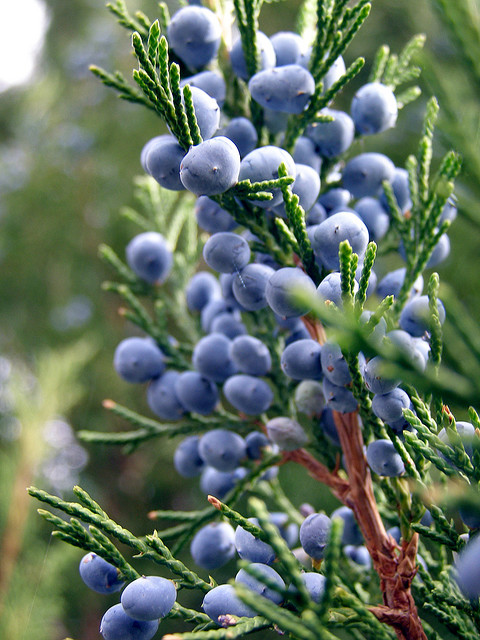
99	575
257	586
223	601
194	34
281	288
117	625
251	548
226	252
314	532
149	598
287	88
301	360
374	108
149	256
250	355
196	393
211	357
383	458
137	360
248	394
213	545
222	449
187	460
162	397
210	167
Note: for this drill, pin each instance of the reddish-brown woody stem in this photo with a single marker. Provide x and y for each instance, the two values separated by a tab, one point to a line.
396	566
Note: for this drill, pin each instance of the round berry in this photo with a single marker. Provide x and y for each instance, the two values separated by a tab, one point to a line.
351	531
391	284
251	548
467	574
256	441
226	252
211	82
219	483
187	460
309	398
228	325
382	457
211	217
149	256
248	394
117	625
222	449
374	216
306	186
211	167
333	137
305	152
257	586
281	288
202	287
149	598
162	159
287	88
211	357
207	112
314	583
137	360
374	108
213	545
314	532
222	601
194	34
415	316
301	360
250	355
241	131
99	575
388	406
338	398
334	364
289	47
375	379
330	288
334	230
364	174
401	191
162	397
262	164
196	393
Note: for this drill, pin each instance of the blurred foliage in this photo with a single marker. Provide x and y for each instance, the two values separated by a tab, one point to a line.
68	152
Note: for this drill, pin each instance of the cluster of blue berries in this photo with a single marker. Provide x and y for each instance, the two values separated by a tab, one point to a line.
148	599
222	600
339	200
143	602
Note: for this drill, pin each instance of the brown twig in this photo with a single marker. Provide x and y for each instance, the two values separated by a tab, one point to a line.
339	486
315	329
396	566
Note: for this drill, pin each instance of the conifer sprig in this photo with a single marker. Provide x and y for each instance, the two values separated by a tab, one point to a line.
140	24
436	339
296	220
117	81
155	550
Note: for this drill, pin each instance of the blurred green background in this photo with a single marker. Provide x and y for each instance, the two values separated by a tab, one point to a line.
69	150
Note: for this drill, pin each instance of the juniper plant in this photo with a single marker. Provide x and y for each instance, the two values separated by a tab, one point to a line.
384	343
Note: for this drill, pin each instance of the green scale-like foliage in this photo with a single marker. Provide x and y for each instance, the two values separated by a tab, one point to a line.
358	600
